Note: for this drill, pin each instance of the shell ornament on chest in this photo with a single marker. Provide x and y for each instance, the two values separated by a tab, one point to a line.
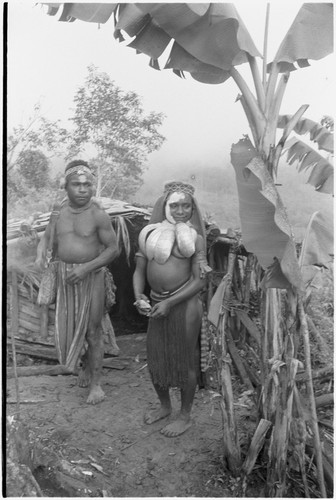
156	241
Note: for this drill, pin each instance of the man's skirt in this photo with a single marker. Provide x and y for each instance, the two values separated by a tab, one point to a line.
72	315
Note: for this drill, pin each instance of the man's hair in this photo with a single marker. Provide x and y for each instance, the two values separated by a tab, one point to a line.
76	167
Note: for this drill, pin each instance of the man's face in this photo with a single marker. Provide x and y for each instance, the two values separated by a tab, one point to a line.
80	189
179	207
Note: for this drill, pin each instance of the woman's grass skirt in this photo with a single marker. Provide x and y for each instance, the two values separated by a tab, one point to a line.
167	348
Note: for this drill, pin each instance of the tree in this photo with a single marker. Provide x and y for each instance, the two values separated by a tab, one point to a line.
30	146
33	166
113	123
38	134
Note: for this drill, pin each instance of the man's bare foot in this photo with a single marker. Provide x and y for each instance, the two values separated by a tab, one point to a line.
179	426
155	415
96	395
84	377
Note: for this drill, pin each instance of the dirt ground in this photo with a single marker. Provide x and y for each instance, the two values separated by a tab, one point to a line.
107	450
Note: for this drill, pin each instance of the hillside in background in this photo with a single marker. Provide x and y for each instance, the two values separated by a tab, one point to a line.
217	193
215	190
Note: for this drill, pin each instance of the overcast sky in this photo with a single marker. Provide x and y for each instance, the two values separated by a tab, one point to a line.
48	60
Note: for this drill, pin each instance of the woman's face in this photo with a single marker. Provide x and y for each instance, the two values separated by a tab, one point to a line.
179	207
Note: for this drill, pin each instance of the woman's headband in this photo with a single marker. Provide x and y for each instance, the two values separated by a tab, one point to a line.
178	186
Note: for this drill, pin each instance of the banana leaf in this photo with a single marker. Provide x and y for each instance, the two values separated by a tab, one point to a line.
321	170
309	37
212	33
317	132
89	12
317	247
210	38
265	227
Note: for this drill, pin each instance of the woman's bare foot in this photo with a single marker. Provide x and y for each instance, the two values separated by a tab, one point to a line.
179	426
96	395
155	415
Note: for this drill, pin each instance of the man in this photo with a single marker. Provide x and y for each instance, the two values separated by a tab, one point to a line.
84	242
172	260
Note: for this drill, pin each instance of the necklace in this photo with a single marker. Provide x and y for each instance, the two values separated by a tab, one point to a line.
80	209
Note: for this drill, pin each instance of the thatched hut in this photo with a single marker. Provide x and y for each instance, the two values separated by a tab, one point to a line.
33	323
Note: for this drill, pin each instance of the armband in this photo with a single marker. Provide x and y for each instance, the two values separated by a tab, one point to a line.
140	254
201	260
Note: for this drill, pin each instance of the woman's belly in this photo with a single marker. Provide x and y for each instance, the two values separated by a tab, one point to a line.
169	276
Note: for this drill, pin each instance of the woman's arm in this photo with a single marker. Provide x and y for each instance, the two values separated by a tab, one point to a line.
139	283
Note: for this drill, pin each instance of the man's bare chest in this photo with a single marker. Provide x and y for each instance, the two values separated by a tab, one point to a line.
81	225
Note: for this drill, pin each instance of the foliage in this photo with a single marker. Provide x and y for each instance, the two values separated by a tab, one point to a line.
106	119
33	167
308	159
209	42
38	134
30	147
114	124
328	122
30	202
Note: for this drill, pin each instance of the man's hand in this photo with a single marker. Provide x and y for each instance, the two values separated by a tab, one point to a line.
40	264
76	275
161	309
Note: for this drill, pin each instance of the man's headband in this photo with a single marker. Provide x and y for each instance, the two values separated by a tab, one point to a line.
79	170
172	187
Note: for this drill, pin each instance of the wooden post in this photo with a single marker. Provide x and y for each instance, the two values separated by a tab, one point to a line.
210	283
44	321
230	434
247	278
14	332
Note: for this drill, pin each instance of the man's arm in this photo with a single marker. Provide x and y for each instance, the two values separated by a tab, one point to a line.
41	251
108	238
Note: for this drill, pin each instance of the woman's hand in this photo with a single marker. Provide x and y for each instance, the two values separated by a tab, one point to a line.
161	309
143	305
